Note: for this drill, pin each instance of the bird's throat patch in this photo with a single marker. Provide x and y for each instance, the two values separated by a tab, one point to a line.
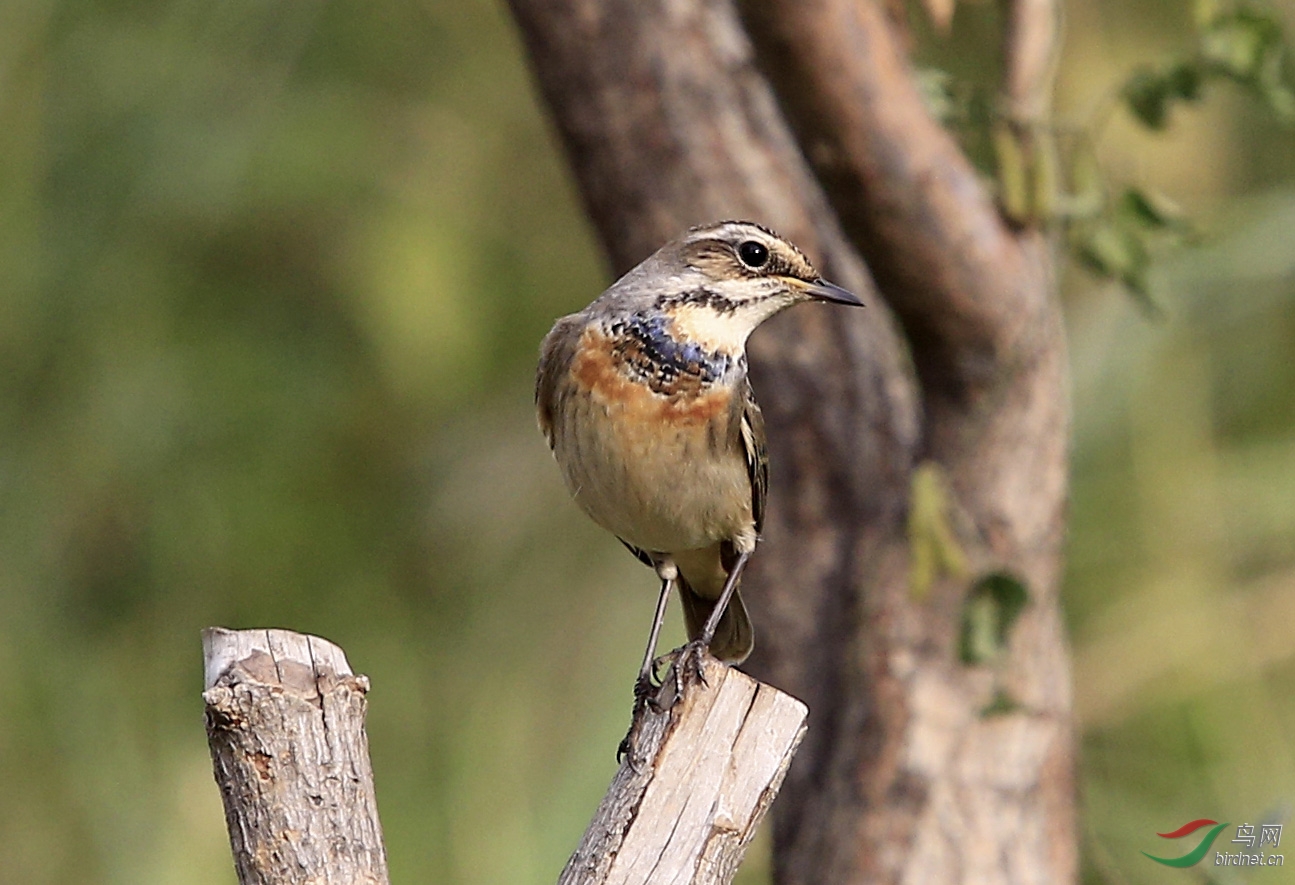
645	350
641	371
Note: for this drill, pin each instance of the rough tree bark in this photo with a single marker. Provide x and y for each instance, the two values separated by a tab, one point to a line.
804	115
285	723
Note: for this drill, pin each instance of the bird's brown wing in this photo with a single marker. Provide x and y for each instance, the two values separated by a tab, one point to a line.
556	353
751	429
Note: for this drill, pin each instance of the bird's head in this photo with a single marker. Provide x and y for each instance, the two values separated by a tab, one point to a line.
720	281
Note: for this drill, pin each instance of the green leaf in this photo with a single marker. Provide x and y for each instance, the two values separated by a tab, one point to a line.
1184	81
1045	182
979	630
1272	86
936	89
990	610
1138	286
1116	251
1087	188
933	547
1028	166
1002	704
1113	250
1237	43
1152	211
1013	174
1150	92
1281	100
1147	94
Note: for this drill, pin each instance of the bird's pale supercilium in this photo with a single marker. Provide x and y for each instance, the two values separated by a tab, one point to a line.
643	397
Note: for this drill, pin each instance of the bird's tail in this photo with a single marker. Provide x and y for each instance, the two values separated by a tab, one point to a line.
734	636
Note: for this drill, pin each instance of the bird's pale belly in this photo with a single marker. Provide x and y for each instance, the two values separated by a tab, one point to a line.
662	475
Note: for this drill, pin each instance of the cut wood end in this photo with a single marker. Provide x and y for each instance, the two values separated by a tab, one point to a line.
704	770
272	657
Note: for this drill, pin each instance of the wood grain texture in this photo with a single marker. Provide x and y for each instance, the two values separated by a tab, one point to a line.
683	809
285	724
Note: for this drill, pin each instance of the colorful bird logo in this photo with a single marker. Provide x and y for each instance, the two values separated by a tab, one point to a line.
1194	856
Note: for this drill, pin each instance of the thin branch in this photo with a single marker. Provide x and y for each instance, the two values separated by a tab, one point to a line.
907	196
1030	53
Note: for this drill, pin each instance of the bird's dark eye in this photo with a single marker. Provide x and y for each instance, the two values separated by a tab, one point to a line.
753	254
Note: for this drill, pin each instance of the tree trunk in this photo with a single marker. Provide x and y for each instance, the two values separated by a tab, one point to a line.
918	766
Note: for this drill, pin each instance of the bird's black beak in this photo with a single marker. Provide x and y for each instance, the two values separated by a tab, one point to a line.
825	291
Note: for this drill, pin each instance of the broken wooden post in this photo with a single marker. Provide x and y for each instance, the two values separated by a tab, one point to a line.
702	775
285	723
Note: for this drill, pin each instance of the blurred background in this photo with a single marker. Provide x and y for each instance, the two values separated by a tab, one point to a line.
272	282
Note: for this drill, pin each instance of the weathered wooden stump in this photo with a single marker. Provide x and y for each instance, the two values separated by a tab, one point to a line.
687	803
285	723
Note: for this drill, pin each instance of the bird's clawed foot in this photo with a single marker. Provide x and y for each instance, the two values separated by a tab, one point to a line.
651	693
625	749
688	667
646	689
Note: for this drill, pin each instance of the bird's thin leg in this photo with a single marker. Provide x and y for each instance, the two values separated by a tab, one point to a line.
708	631
644	684
688	665
644	687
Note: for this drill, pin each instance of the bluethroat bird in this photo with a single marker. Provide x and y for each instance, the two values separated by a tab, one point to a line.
644	399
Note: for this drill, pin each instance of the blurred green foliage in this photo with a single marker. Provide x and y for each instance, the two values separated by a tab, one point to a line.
272	280
1049	173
